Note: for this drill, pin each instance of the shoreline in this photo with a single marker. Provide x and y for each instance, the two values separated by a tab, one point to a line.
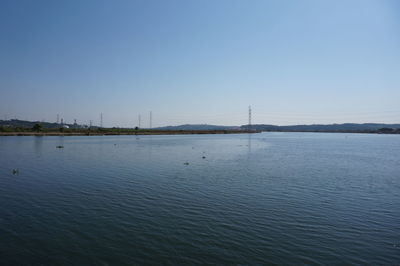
105	133
169	132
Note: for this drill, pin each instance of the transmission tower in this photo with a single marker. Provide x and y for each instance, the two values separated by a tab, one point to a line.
249	117
151	118
58	118
101	120
139	120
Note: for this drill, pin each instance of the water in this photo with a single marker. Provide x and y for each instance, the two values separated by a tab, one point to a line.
270	198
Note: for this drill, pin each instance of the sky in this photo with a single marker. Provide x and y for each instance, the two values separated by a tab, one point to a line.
200	61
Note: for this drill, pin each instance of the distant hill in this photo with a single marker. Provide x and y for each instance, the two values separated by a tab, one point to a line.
347	127
199	127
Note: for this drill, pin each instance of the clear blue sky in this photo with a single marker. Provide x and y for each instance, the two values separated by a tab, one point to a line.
201	61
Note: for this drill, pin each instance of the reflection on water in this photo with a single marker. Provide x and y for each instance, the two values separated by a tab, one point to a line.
38	143
249	143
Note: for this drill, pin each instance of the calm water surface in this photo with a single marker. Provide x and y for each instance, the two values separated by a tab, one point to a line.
270	198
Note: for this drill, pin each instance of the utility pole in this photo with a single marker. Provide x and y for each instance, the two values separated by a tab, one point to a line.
249	117
101	120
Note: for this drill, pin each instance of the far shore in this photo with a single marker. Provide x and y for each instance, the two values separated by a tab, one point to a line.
133	132
164	132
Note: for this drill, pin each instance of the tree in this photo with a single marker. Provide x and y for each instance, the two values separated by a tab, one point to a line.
37	127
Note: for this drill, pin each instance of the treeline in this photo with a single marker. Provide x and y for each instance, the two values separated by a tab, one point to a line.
345	128
15	125
39	128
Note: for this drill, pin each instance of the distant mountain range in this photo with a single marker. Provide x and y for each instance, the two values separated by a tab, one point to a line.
347	127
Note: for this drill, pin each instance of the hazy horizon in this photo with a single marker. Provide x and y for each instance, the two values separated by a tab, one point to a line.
200	62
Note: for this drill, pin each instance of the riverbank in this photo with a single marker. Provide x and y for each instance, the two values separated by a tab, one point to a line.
124	132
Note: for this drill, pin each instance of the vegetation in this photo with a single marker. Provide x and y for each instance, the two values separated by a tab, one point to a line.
19	127
340	128
37	127
386	130
36	130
